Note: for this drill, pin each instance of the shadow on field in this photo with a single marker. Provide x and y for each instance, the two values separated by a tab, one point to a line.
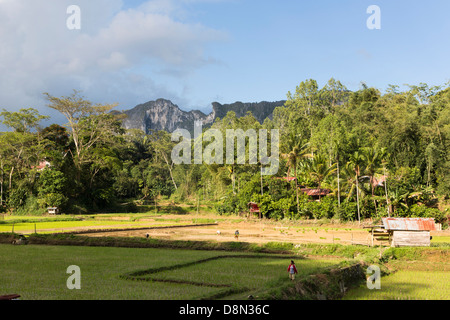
142	275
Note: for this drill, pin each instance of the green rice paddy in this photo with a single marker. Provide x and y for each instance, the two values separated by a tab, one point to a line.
39	273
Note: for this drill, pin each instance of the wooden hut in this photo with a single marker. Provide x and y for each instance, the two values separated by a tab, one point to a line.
254	208
53	210
409	232
315	194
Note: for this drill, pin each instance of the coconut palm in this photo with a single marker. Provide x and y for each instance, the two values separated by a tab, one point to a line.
298	149
319	169
373	161
397	199
356	164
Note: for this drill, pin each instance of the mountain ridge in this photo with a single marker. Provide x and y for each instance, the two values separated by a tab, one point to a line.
162	114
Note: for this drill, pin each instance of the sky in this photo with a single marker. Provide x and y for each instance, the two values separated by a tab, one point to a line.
195	52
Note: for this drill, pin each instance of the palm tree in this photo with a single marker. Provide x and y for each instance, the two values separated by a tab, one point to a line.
373	160
348	180
356	164
232	171
298	150
384	162
397	199
319	169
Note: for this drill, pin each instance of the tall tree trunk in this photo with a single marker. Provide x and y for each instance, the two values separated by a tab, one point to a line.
385	190
1	191
373	193
262	189
296	189
1	185
339	189
233	179
357	198
170	171
10	178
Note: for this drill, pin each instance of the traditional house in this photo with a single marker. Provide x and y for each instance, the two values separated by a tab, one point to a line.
42	165
409	232
316	194
53	210
254	208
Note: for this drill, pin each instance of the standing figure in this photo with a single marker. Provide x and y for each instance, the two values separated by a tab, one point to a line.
292	270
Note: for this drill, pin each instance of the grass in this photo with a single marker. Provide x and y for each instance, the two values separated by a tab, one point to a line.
437	254
58	226
407	285
46	224
252	273
33	219
67	239
39	273
417	274
440	239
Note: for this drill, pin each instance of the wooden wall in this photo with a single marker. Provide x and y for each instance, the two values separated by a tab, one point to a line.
411	239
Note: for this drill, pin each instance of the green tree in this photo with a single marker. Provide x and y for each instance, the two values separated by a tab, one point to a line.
23	121
90	125
298	151
356	164
52	188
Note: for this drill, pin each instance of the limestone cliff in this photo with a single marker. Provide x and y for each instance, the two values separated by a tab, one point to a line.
164	115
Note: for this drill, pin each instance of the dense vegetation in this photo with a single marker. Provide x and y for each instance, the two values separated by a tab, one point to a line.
377	153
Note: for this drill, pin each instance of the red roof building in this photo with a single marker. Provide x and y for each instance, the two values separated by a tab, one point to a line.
42	165
316	192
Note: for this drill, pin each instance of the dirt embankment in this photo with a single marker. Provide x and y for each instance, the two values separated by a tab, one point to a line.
250	231
324	286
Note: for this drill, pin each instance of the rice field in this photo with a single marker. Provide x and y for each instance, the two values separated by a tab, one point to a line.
417	274
40	273
440	239
252	273
407	285
56	224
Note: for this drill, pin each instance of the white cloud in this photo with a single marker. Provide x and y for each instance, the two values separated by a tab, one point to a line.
106	57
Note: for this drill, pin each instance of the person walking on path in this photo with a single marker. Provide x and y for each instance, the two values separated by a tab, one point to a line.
292	270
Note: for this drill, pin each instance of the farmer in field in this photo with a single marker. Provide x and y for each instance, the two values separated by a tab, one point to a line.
292	270
236	234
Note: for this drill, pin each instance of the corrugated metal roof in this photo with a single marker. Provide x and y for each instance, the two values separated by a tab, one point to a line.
410	224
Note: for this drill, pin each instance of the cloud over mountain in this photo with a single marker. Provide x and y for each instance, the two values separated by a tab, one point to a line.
116	48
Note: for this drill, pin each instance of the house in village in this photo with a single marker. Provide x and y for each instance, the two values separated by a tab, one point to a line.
254	208
404	232
315	194
409	232
42	165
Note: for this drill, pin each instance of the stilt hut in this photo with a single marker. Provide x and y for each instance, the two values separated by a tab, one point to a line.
254	208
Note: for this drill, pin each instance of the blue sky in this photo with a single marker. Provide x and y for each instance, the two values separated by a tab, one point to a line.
194	52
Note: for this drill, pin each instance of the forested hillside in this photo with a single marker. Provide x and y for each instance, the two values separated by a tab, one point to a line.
375	154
